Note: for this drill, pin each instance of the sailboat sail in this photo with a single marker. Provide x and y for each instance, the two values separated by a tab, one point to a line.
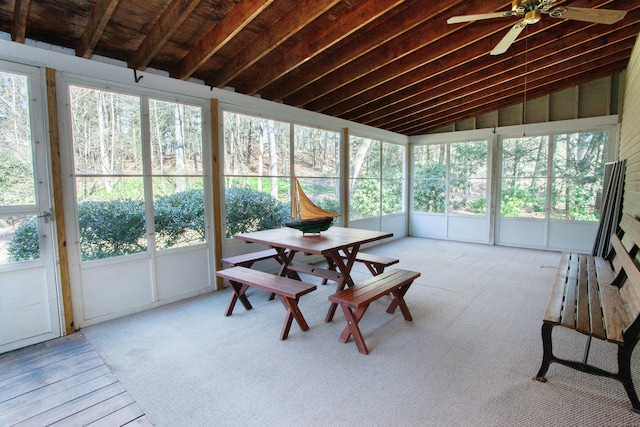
307	209
308	217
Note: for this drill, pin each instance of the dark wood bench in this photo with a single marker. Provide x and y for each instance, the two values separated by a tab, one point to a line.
375	263
395	282
288	291
600	298
247	260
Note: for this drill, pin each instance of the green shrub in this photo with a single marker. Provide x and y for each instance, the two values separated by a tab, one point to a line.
249	210
117	227
179	218
24	244
111	228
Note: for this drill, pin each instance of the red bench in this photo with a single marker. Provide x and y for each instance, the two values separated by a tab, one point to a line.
288	291
394	282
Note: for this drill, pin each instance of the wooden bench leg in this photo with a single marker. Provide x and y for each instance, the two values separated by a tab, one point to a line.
352	328
346	332
293	312
238	292
398	300
374	268
333	306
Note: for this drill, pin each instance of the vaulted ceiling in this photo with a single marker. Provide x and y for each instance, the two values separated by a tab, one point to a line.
393	64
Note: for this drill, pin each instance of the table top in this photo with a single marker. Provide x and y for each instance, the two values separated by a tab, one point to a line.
317	244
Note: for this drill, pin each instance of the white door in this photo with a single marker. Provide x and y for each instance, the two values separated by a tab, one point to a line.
29	294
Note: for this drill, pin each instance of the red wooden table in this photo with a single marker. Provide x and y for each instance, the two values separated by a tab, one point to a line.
338	245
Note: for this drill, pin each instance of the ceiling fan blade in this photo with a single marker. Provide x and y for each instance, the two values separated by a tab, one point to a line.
597	16
509	38
469	18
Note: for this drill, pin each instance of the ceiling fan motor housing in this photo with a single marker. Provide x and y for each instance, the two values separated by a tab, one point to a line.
532	16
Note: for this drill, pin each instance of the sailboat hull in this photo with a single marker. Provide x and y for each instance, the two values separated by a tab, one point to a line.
315	225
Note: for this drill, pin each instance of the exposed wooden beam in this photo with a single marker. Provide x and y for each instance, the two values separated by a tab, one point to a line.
513	93
367	42
457	84
432	60
573	65
435	48
218	203
20	18
536	83
403	93
364	13
58	200
237	19
299	17
100	15
391	51
170	20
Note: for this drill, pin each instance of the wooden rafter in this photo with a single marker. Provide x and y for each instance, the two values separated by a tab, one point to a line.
238	17
170	20
419	36
20	17
364	13
100	15
560	71
392	64
455	80
288	25
369	41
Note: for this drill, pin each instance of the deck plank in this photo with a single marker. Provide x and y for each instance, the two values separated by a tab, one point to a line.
63	382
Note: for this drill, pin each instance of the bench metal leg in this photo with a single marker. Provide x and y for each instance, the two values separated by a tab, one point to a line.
624	375
624	366
238	293
547	352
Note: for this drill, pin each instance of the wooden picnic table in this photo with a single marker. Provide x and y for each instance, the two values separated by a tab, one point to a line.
338	245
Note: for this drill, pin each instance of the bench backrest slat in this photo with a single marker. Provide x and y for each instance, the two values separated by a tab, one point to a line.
625	247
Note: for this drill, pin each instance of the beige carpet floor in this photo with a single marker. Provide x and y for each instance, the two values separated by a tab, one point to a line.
467	359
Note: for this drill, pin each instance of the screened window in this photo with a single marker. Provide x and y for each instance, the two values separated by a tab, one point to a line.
430	178
364	176
376	178
257	173
114	196
524	177
317	165
560	174
578	171
468	178
451	178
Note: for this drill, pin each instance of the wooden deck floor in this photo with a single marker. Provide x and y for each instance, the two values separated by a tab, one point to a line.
63	382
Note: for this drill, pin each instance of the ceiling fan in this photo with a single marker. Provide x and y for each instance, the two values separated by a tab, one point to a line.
531	12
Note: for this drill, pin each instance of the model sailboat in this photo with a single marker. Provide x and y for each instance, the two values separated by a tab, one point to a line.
308	217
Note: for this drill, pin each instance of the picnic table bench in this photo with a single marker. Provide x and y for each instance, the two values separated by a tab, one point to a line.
395	282
248	259
600	298
288	291
375	263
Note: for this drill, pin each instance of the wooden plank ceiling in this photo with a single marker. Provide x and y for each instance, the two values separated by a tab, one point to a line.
392	64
